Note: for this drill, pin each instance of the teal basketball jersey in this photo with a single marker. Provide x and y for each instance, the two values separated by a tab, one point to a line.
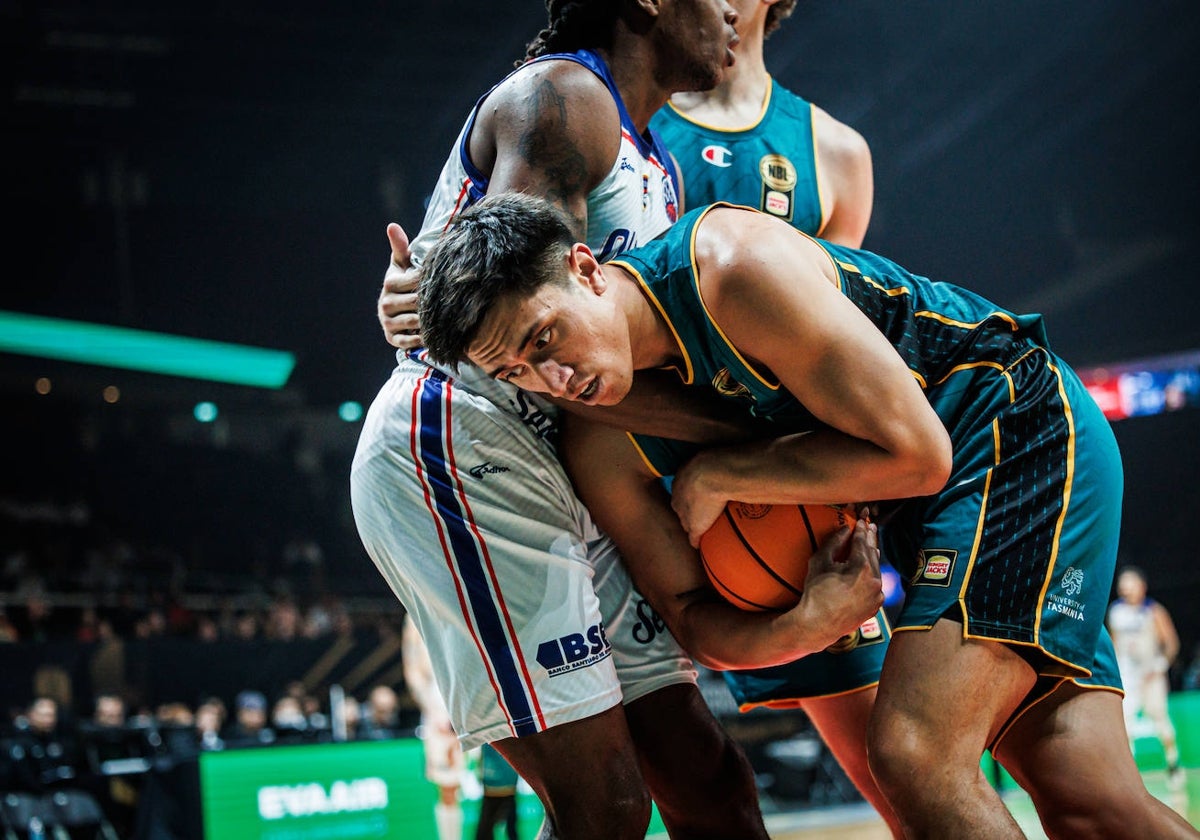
770	165
1021	543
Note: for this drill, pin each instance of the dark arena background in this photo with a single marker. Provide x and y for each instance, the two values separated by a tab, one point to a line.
225	172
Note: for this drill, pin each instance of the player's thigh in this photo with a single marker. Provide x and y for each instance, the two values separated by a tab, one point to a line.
1068	751
943	698
842	722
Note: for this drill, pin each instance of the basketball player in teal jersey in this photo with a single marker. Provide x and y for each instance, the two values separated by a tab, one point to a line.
751	141
884	385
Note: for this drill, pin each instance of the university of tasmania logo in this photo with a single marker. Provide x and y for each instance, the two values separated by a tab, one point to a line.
935	566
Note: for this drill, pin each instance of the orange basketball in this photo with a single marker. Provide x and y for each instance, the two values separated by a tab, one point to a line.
757	555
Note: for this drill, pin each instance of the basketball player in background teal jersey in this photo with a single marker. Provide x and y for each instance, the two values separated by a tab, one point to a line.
882	384
752	141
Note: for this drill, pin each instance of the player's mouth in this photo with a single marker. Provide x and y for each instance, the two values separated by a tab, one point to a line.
730	55
589	391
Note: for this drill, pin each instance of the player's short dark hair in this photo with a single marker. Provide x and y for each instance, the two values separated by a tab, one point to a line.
575	25
507	244
777	14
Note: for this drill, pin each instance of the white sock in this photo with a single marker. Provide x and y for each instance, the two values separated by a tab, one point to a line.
449	821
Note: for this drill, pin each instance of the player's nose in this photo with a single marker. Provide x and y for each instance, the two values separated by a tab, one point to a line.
556	377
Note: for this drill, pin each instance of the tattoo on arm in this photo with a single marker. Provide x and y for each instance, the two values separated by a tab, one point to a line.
549	147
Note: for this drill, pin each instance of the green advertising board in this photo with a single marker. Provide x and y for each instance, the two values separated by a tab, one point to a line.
359	789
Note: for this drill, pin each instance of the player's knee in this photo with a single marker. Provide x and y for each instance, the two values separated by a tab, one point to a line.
902	757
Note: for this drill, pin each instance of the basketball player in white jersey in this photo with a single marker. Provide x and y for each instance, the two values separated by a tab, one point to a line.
1146	642
444	763
540	643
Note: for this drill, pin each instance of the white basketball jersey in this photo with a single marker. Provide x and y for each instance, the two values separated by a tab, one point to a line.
1135	636
634	203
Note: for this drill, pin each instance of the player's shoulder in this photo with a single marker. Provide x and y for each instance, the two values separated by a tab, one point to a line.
836	137
563	81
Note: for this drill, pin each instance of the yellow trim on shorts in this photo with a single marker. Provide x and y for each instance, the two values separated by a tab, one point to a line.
1020	712
797	702
1066	497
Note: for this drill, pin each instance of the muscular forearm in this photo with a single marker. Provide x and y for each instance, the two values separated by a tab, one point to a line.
723	638
822	467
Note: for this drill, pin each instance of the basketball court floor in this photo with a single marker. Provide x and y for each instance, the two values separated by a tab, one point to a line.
859	822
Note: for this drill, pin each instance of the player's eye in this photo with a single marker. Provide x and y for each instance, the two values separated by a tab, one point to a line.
542	339
512	373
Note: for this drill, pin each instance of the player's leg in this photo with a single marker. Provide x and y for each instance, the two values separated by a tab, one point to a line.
587	776
699	777
842	722
474	525
679	740
941	699
443	767
1157	689
1069	751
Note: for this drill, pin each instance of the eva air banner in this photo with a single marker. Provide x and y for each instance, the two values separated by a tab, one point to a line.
316	792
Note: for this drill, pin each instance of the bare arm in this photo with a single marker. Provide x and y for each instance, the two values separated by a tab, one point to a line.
846	180
772	292
550	131
1168	637
632	507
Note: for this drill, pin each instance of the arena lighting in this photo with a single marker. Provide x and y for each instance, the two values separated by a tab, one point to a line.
121	347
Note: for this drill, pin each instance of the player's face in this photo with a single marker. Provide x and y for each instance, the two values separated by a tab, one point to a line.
1131	587
696	42
568	341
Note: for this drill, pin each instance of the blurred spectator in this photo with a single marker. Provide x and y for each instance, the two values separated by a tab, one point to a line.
89	626
43	752
152	624
283	620
287	717
110	711
382	715
8	633
174	714
207	629
326	616
210	720
250	720
352	711
245	626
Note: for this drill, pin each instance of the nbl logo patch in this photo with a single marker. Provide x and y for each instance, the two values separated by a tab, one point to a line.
935	567
574	650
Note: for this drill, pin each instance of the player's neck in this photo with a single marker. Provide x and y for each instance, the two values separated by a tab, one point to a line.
641	95
650	339
736	102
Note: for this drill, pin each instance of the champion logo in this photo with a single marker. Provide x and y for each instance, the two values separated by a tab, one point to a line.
717	156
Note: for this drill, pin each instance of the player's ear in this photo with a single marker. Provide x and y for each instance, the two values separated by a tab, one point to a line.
650	8
586	268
